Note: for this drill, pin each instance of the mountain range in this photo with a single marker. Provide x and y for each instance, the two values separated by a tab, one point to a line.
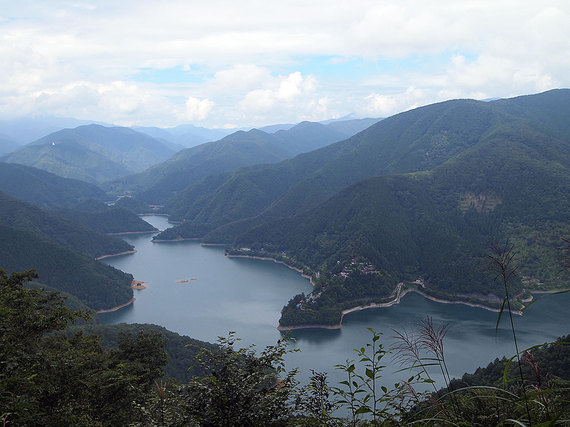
419	194
93	153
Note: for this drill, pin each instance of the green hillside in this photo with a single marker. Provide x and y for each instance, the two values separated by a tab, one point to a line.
97	285
435	225
101	218
23	216
240	149
93	153
416	140
43	188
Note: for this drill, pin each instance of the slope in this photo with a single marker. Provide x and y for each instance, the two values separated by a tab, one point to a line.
43	188
97	285
101	218
433	225
416	140
93	153
23	216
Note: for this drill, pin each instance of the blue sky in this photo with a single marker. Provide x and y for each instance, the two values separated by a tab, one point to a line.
249	63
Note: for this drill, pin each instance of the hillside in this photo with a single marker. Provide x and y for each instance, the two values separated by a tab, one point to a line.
240	149
93	153
436	225
413	141
23	216
101	218
97	285
43	188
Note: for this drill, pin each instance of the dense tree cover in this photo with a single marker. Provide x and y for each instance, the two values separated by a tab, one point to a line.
93	153
181	350
97	285
43	188
101	218
239	149
514	183
25	217
48	378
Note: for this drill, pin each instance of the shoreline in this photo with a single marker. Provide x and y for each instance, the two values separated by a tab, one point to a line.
117	254
344	312
385	305
118	307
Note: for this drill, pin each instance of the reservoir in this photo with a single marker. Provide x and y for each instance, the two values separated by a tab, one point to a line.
195	290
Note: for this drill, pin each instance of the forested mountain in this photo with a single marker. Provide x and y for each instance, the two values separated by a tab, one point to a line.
43	188
97	285
452	177
93	153
240	149
416	140
101	218
23	216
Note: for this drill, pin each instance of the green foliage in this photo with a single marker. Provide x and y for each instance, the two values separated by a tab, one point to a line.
181	350
241	388
48	378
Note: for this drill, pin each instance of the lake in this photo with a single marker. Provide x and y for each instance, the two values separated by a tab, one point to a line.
246	296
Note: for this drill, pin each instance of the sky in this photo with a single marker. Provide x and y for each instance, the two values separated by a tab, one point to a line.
239	63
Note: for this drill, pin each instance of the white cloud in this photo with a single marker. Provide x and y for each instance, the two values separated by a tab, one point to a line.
197	109
255	60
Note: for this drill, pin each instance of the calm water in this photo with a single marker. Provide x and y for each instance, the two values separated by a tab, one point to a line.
246	296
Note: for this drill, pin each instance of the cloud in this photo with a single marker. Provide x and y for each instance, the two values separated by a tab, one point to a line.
197	109
256	61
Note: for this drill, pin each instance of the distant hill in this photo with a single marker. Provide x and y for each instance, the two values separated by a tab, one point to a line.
23	216
185	135
43	188
24	130
93	153
239	149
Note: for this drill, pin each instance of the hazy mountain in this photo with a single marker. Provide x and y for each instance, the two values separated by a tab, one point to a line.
8	144
185	135
93	153
276	127
27	129
43	188
158	184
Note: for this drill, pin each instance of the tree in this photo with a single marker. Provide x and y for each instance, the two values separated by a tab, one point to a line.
50	378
